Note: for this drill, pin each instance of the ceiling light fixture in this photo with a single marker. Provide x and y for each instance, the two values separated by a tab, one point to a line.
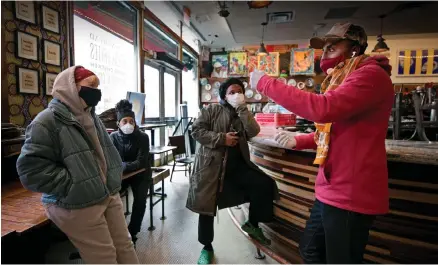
262	50
381	46
258	4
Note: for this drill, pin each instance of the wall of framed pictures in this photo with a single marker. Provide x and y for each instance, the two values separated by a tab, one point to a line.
35	51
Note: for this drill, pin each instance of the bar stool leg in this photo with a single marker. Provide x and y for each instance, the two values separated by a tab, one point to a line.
259	254
151	208
162	200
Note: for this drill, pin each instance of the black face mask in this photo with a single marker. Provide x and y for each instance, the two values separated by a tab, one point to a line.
90	95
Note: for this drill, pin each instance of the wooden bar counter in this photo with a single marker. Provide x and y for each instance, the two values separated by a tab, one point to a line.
407	234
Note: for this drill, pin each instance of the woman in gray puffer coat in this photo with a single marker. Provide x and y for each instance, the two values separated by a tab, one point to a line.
69	157
223	175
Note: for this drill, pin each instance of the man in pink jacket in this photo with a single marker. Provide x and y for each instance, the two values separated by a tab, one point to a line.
351	118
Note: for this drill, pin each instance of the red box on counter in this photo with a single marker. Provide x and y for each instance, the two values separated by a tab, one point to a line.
276	119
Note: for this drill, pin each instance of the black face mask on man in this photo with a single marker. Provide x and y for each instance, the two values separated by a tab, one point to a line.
90	95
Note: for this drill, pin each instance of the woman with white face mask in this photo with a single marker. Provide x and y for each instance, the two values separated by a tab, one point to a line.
133	147
223	175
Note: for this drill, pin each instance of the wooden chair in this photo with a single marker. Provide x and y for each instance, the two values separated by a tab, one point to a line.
180	155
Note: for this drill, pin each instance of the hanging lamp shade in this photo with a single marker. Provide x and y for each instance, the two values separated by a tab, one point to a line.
262	50
381	45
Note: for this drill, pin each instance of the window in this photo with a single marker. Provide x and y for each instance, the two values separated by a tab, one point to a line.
190	86
152	91
104	42
169	95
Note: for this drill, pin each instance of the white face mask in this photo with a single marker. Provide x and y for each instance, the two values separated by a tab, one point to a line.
236	99
127	128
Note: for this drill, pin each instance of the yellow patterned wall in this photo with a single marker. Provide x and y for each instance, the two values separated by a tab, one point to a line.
23	108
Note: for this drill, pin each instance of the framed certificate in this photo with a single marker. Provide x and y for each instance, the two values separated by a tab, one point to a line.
48	81
27	81
26	46
25	11
50	19
52	53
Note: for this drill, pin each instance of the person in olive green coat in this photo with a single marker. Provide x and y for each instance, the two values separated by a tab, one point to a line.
223	175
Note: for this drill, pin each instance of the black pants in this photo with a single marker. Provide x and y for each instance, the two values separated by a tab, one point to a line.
335	236
140	187
257	187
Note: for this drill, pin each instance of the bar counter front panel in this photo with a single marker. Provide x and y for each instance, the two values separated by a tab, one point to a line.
407	234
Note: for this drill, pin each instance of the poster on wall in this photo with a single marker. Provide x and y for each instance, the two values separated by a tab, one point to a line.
110	57
52	53
25	11
252	63
220	65
26	46
50	19
27	81
302	61
421	62
49	80
238	64
270	63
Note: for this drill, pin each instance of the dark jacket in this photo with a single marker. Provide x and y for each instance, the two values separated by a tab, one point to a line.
208	176
58	160
134	150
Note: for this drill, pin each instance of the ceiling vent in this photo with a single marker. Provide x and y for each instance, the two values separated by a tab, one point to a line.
280	17
202	18
341	13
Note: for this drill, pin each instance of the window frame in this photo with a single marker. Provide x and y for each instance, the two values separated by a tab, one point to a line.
137	39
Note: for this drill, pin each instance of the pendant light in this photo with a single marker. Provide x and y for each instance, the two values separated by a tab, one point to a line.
381	46
262	50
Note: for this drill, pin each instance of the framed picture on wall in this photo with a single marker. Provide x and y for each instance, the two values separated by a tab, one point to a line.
269	63
26	46
238	64
25	11
302	61
27	81
50	19
419	62
48	81
52	53
219	63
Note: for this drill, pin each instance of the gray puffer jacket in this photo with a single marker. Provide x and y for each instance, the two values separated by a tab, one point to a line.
58	160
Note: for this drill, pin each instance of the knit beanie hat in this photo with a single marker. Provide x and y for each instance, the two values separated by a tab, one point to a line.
124	109
81	73
224	86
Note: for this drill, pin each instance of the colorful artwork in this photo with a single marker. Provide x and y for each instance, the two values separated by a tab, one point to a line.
421	62
220	65
302	61
269	63
238	64
252	63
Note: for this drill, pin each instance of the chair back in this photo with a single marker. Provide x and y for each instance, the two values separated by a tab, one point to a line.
180	143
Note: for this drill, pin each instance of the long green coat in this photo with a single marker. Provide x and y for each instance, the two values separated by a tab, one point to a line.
206	183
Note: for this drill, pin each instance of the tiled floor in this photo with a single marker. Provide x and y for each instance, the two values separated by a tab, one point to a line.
175	239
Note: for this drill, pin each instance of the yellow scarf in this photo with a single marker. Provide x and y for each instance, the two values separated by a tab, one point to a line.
331	82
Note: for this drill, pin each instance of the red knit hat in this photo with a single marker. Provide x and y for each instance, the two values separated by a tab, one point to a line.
81	73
